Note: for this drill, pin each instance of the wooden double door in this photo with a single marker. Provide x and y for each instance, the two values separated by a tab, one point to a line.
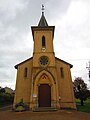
44	95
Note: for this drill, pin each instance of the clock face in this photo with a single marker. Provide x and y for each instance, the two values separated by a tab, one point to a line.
43	61
43	49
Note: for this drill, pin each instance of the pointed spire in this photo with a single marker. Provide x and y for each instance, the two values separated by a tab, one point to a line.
43	22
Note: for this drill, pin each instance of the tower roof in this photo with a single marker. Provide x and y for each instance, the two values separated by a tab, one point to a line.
43	22
42	25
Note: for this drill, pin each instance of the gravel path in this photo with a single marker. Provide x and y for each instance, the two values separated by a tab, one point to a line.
58	115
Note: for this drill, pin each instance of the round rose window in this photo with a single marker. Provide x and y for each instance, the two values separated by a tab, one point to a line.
43	61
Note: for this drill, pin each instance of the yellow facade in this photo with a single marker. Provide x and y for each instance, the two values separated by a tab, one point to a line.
47	77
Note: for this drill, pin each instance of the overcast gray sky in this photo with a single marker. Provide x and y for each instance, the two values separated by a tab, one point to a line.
71	19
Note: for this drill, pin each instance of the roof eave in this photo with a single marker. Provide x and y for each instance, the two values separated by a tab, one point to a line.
37	28
16	66
65	62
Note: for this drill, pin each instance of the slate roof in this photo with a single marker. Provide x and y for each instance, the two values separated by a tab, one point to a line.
64	62
42	22
16	66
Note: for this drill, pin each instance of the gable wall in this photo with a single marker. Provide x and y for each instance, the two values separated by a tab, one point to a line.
23	84
65	85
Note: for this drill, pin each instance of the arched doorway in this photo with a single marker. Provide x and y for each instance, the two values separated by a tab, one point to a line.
44	95
44	88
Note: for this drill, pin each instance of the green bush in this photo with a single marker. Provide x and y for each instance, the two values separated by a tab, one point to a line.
6	98
23	104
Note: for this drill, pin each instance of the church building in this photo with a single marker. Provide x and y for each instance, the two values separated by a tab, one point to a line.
44	80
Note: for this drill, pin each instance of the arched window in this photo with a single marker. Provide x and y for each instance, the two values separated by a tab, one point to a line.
43	41
25	72
61	72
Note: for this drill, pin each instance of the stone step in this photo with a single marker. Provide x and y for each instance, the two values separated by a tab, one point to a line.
44	109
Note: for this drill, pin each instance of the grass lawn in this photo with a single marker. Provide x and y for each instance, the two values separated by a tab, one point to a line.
85	108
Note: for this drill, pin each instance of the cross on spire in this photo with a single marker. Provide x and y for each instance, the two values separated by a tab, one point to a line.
43	9
42	22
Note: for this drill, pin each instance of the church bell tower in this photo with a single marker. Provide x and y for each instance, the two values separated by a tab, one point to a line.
44	70
43	52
